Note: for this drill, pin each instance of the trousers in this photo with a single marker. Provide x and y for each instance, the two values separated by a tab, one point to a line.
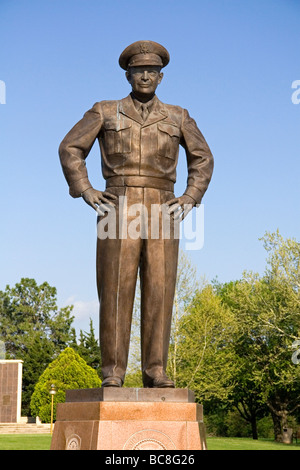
139	248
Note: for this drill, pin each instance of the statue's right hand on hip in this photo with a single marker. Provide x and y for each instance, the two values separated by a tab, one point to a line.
101	201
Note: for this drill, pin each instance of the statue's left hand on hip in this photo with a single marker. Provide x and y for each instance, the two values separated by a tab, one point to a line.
180	206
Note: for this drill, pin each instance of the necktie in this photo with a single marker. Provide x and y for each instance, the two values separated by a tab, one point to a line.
145	111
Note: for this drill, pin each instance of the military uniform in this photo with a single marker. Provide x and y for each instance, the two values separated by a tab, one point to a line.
139	157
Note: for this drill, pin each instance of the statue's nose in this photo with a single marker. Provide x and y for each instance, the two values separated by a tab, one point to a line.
145	75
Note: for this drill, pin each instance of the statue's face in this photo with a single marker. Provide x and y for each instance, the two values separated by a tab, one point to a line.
144	79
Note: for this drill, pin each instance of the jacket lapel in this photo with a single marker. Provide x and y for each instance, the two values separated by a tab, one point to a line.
126	107
158	112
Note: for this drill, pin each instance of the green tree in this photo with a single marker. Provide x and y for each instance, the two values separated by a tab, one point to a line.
246	395
268	313
207	362
33	329
67	371
37	355
87	346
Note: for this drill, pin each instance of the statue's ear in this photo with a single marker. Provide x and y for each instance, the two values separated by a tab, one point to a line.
161	76
128	75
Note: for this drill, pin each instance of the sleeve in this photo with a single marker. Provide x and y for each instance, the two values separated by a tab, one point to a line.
199	158
76	146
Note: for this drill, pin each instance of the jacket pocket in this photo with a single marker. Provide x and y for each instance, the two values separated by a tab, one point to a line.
117	138
168	140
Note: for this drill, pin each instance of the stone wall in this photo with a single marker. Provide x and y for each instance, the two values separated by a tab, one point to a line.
10	391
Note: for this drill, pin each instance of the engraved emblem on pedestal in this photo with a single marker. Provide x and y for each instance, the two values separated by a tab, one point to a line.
149	439
73	442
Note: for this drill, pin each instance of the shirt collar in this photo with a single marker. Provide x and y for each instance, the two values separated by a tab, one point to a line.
138	103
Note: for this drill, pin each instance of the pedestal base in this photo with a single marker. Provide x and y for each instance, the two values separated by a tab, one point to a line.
129	419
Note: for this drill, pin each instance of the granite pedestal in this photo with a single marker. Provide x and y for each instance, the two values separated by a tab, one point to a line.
129	419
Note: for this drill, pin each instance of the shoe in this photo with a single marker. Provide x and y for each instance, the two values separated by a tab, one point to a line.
160	382
112	382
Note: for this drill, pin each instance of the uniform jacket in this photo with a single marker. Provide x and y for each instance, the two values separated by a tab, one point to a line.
131	147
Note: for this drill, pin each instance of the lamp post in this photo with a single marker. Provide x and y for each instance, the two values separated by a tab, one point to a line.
52	393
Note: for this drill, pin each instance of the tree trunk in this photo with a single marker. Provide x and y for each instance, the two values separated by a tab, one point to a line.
249	413
280	415
277	426
254	427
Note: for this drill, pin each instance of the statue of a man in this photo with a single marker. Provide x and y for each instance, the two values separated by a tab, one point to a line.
139	138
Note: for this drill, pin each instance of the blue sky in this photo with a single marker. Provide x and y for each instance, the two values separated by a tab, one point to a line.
232	66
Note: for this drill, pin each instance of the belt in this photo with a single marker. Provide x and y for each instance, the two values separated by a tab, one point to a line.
141	182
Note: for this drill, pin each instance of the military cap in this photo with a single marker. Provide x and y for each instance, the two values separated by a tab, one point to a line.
144	53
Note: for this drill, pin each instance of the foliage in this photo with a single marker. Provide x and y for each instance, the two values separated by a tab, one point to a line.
236	340
133	380
236	425
28	308
215	422
87	347
67	371
268	310
33	329
265	428
207	362
231	343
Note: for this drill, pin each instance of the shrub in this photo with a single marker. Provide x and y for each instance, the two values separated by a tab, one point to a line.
67	371
236	425
265	427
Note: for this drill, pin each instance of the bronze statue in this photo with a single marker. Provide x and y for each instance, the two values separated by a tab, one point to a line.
139	138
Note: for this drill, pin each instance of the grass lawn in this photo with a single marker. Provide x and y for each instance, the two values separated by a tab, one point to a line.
25	441
42	442
240	443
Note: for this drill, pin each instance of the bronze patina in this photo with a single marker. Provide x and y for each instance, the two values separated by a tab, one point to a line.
139	138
